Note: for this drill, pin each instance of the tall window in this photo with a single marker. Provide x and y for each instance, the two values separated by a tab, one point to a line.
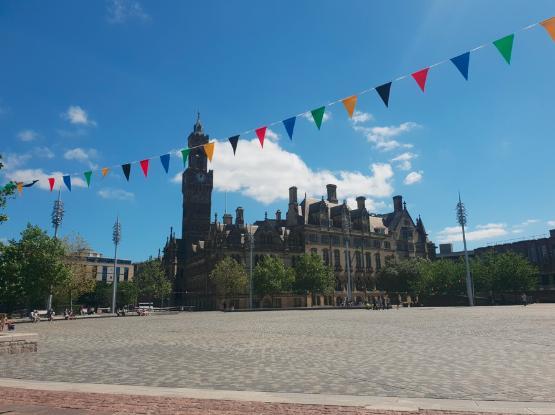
126	274
378	262
358	260
104	273
337	259
326	256
368	260
314	251
117	272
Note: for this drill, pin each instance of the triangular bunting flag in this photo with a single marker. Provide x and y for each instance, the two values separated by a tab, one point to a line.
185	155
105	171
88	175
383	91
20	187
209	150
462	62
126	170
261	133
30	184
289	125
165	159
505	46
350	104
144	166
67	181
51	181
318	116
420	77
234	140
549	26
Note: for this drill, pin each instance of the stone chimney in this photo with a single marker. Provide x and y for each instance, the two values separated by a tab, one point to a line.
293	211
239	219
228	219
361	202
293	195
278	215
398	203
332	193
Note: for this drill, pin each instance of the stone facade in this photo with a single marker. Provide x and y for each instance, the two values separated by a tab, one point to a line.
11	343
325	227
101	268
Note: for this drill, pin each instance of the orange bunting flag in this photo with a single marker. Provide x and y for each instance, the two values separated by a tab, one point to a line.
549	25
209	150
261	133
350	104
20	187
105	171
420	77
144	166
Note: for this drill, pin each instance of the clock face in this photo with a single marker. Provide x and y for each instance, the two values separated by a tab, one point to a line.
201	177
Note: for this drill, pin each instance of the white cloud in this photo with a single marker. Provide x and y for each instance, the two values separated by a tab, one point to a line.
80	154
271	135
27	135
12	161
77	115
383	138
360	117
454	233
118	194
28	175
404	161
413	177
43	152
308	116
266	175
551	223
119	11
519	228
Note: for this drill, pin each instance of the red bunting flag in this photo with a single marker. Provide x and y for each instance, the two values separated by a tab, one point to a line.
51	181
144	166
420	77
261	133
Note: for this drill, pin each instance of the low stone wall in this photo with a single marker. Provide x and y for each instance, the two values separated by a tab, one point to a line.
18	343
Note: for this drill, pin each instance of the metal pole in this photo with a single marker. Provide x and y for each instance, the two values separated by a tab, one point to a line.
346	230
251	247
57	216
116	237
461	217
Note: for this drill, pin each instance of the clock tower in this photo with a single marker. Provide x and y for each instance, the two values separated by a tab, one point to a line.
197	183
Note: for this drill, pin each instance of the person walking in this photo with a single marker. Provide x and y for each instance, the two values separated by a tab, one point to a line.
409	301
524	299
399	301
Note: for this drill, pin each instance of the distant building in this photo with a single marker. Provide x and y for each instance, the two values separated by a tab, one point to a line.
311	226
540	252
102	269
446	252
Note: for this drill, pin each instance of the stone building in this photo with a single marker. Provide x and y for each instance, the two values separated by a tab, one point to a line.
101	268
310	226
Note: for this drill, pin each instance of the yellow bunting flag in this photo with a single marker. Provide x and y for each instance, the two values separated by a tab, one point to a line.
549	25
209	150
20	187
350	104
105	171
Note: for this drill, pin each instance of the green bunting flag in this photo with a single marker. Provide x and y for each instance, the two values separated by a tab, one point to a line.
88	175
505	46
185	154
318	116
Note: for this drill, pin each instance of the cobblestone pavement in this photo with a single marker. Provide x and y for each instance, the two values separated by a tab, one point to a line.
485	353
21	401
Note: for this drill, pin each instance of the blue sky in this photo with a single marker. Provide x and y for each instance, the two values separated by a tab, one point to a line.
94	84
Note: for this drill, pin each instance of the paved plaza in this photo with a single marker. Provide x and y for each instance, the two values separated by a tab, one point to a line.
484	353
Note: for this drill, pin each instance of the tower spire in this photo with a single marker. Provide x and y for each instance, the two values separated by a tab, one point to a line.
198	125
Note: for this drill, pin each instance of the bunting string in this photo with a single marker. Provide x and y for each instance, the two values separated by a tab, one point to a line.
461	62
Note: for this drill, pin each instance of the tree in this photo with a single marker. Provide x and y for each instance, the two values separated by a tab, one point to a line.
30	267
272	277
5	192
402	276
151	281
441	277
505	272
80	281
311	274
128	293
229	278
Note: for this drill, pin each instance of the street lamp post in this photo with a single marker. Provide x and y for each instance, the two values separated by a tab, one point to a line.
461	218
116	237
251	248
57	217
347	230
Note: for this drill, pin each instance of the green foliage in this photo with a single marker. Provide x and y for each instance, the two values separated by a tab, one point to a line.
5	193
312	275
151	281
400	276
441	277
229	278
128	293
271	277
30	267
505	272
